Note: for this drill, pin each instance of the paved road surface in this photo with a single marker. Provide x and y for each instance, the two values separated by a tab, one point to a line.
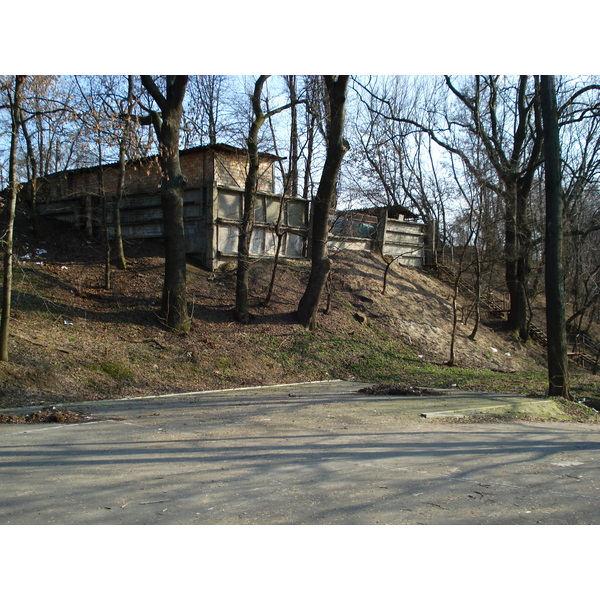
302	454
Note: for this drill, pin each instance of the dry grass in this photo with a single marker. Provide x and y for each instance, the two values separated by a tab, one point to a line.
72	340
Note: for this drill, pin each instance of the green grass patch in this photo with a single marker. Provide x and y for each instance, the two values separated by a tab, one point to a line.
116	370
381	359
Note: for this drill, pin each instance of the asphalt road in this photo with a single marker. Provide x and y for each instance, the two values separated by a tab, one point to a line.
302	454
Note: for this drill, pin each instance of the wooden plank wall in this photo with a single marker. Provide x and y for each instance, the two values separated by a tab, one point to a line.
394	237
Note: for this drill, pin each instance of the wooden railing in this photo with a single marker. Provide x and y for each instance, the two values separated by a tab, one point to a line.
585	351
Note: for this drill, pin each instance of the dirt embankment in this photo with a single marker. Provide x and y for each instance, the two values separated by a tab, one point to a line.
73	340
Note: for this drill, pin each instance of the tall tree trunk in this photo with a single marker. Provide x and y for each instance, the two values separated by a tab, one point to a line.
279	232
293	160
324	200
33	188
15	108
242	311
558	367
105	209
515	166
517	318
310	143
460	270
280	224
477	288
174	298
120	192
452	360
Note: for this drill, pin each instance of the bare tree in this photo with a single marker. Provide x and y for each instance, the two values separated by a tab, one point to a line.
579	124
392	162
324	200
52	123
167	124
314	117
290	182
94	120
558	366
294	143
512	144
14	101
124	143
471	221
207	119
242	312
45	110
104	106
33	172
458	273
500	116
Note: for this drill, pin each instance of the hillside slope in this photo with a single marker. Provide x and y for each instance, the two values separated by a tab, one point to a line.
72	340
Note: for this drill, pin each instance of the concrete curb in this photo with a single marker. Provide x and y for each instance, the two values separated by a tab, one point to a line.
482	410
165	396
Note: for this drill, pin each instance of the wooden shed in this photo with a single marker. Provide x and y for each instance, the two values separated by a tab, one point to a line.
382	229
212	203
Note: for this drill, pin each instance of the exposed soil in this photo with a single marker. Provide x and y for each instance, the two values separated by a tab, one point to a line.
73	340
49	415
383	389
